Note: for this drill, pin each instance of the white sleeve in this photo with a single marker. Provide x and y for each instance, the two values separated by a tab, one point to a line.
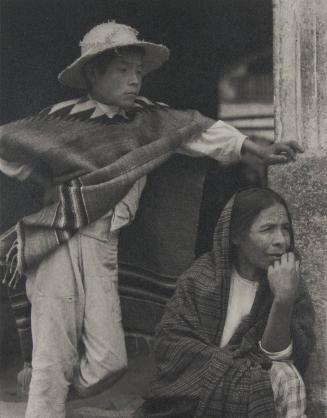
17	170
285	354
220	141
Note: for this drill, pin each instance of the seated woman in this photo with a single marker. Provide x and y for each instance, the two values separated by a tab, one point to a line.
239	329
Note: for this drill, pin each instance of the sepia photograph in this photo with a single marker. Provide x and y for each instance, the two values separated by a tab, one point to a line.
163	195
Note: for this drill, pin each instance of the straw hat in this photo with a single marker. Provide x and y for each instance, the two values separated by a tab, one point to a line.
107	36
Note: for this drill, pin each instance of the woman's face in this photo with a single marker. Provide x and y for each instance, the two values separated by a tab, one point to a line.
267	239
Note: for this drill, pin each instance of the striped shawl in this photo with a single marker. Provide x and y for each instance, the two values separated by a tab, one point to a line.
197	378
92	163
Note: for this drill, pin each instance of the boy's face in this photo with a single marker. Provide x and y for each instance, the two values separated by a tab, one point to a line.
120	83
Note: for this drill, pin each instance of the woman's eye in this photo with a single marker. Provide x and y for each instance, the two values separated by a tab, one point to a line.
265	229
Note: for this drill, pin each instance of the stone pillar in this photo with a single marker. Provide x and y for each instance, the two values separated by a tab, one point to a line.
300	76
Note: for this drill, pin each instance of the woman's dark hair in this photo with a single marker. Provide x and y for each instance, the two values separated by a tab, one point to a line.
247	206
101	61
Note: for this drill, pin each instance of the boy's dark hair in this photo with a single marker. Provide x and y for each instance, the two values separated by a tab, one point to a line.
101	61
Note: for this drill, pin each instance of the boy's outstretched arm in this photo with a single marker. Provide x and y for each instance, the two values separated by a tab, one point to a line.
228	145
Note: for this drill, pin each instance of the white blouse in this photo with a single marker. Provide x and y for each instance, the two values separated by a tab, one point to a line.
241	297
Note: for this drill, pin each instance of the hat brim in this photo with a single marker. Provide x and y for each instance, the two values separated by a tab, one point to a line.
155	55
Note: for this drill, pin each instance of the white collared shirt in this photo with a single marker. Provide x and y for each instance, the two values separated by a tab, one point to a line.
104	109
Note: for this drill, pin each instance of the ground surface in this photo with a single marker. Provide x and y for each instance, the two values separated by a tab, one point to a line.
118	402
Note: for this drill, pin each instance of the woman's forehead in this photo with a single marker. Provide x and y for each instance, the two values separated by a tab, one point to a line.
275	214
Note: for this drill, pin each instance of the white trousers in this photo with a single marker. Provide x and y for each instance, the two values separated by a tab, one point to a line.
78	339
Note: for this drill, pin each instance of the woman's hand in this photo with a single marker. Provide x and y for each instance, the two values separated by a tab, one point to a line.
283	278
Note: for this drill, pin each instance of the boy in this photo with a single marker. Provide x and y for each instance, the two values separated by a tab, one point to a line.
78	340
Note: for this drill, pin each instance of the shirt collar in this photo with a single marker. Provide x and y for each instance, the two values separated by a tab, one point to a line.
104	109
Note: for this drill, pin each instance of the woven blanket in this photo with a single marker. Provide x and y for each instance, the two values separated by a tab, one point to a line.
93	166
197	378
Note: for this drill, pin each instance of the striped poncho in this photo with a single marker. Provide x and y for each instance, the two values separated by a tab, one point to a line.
92	163
197	378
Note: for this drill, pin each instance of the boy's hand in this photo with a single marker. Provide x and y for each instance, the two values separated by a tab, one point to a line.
279	153
283	278
274	152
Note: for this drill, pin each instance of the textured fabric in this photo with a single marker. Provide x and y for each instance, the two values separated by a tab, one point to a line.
220	141
91	179
197	378
74	295
289	390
